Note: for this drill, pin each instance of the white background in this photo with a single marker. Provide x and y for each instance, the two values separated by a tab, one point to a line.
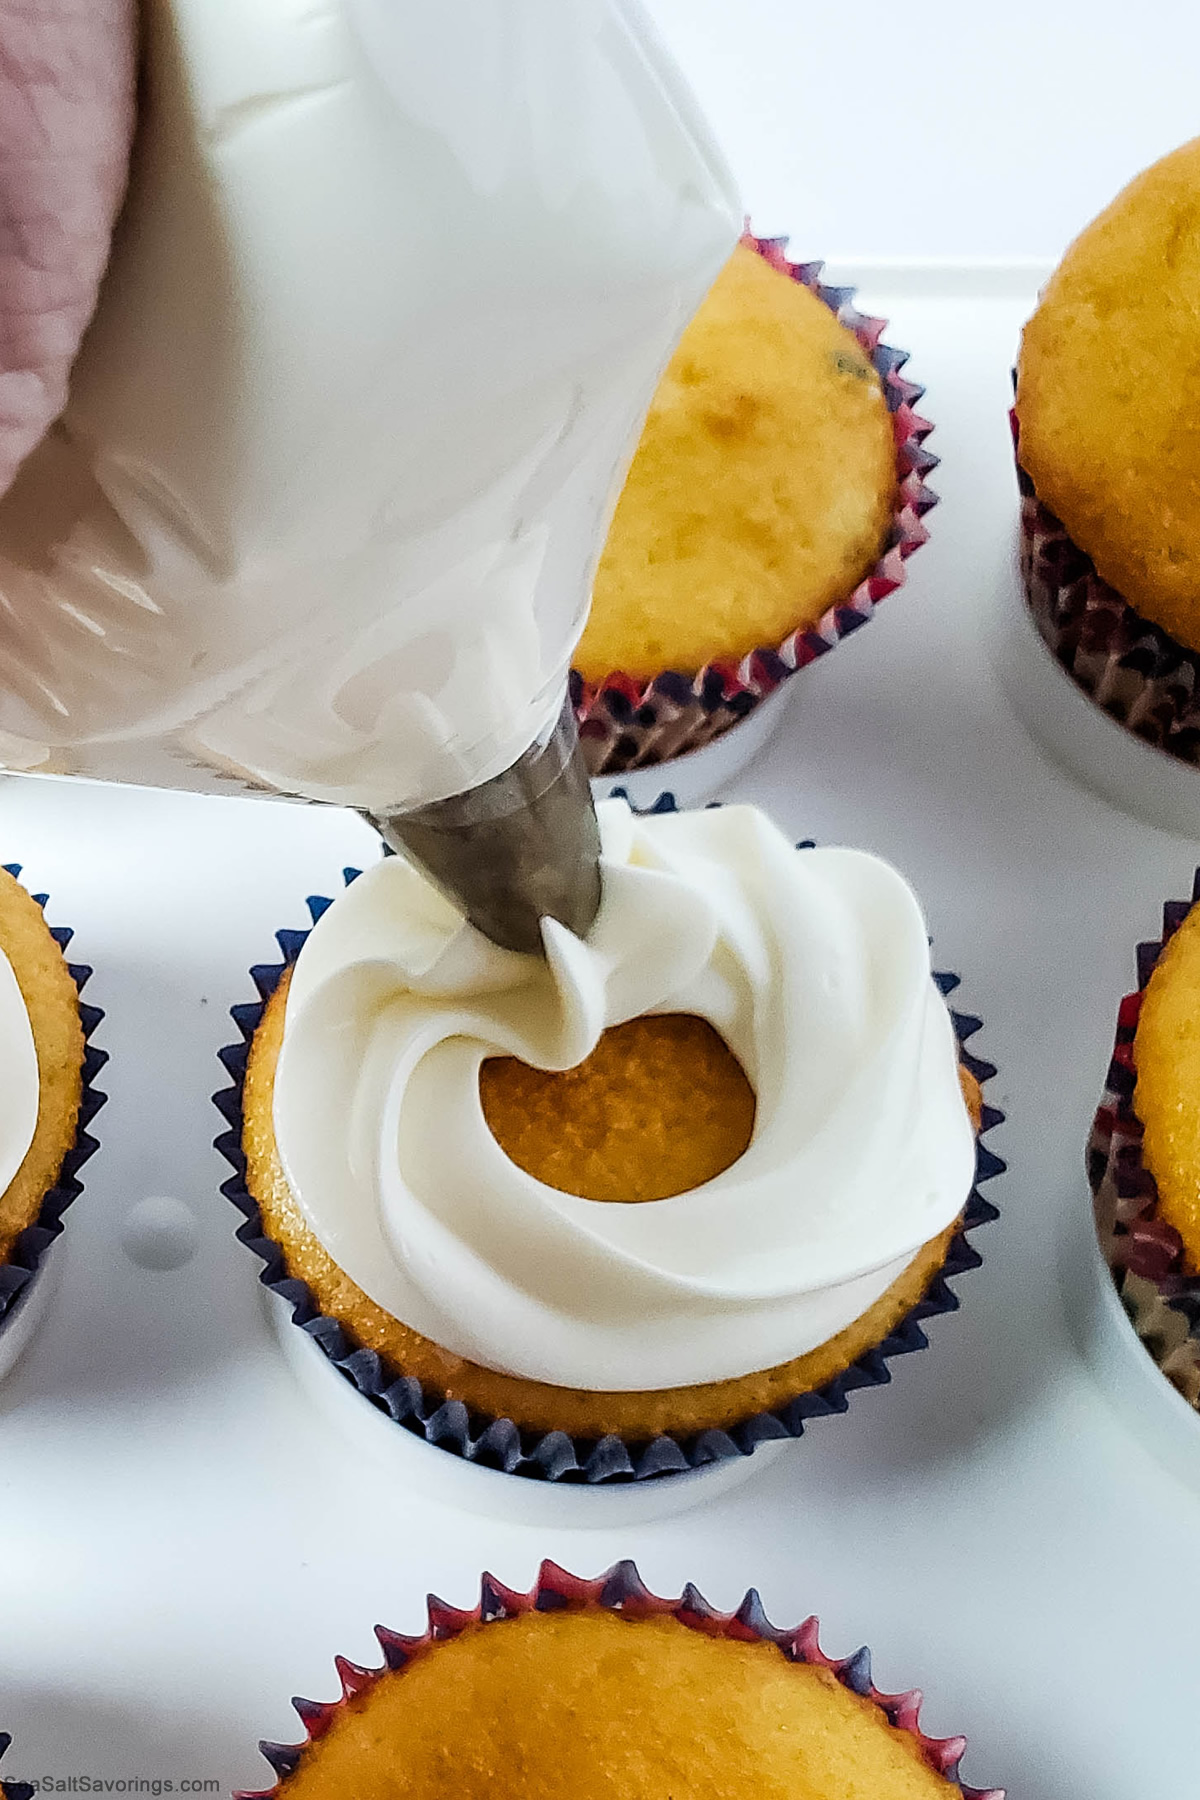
184	1542
942	127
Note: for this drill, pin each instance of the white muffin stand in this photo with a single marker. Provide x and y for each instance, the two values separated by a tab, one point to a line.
1149	1406
22	1321
702	774
1096	749
406	1458
189	1532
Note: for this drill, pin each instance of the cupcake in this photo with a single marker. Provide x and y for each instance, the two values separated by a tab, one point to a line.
589	1688
777	489
666	1194
1109	455
12	1790
1144	1155
48	1067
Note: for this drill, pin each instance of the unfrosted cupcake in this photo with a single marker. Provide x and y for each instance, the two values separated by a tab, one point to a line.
596	1688
1109	453
774	496
47	1067
434	1140
1144	1156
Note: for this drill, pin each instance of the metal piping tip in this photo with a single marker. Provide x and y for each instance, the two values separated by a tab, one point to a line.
519	848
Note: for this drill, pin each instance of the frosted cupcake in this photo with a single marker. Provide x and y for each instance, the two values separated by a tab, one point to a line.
1109	453
47	1069
1144	1155
670	1192
591	1688
775	494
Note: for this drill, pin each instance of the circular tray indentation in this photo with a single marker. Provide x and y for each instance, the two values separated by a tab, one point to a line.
160	1234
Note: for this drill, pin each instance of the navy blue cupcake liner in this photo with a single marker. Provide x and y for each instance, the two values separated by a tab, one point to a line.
12	1790
620	1590
32	1246
555	1455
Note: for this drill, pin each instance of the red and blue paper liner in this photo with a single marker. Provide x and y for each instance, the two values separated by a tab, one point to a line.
12	1790
1131	668
620	1590
498	1443
625	723
18	1275
1145	1254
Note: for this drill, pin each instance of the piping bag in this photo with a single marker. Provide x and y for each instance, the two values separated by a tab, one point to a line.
388	300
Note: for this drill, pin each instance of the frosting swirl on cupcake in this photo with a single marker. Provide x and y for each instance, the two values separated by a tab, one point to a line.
19	1083
813	966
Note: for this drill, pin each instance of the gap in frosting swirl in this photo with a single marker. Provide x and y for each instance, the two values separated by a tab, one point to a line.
660	1106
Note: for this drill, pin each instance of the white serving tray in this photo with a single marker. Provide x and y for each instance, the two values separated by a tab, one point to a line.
186	1538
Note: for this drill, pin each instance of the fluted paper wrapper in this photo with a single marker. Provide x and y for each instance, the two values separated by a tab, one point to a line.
620	1590
1138	674
29	1253
625	723
11	1790
555	1456
1144	1253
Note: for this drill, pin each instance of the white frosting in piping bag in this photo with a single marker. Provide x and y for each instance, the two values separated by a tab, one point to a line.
813	965
19	1085
390	295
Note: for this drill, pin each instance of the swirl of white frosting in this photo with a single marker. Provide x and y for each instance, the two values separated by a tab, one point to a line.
19	1084
812	965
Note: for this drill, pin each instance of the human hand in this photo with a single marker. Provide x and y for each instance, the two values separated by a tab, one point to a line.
66	115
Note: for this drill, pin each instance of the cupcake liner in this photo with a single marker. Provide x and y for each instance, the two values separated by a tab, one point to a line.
622	1590
499	1443
626	724
1130	667
1143	1252
12	1790
29	1252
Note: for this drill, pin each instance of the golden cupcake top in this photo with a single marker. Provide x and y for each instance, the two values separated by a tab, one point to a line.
660	1105
587	1705
1106	395
761	490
